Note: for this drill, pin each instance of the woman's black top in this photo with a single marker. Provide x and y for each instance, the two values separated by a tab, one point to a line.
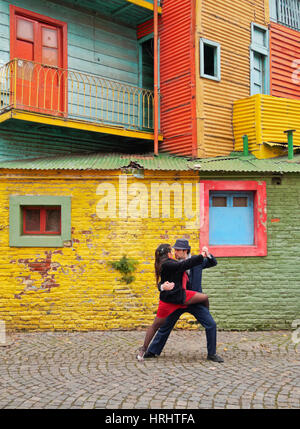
172	271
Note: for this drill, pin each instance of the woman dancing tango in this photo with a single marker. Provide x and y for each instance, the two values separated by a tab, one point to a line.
172	276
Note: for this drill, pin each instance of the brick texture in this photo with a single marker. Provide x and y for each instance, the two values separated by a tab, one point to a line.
74	288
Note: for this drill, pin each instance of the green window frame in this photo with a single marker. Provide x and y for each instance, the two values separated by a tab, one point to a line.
16	237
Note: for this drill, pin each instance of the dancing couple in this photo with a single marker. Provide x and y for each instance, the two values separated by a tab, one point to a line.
179	282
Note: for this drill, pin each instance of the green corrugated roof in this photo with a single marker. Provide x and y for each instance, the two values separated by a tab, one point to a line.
100	161
238	163
115	161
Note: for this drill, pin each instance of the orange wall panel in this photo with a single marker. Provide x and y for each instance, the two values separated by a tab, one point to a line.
229	24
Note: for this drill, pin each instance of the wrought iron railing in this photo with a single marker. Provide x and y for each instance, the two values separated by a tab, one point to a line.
286	12
39	88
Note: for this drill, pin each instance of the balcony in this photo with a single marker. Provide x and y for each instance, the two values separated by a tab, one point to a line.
264	119
50	95
286	12
132	12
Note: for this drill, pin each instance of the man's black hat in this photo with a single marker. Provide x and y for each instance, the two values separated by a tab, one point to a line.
182	244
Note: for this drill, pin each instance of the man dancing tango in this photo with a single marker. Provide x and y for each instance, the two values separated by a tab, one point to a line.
199	311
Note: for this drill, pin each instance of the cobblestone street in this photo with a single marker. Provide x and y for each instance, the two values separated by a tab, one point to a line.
59	370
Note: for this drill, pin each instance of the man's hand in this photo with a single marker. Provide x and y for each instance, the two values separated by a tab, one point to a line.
205	253
167	286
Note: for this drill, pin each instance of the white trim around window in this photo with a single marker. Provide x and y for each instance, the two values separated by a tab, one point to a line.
217	59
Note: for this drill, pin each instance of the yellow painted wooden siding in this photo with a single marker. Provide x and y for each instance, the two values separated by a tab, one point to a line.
264	119
78	290
229	25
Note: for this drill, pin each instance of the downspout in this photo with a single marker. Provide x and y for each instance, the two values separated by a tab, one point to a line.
245	145
155	30
290	143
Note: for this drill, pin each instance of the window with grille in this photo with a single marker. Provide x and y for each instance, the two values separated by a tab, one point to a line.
286	12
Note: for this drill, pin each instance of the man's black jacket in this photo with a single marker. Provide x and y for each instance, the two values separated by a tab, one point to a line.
172	271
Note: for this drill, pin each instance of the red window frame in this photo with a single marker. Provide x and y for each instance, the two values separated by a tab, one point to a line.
259	248
42	230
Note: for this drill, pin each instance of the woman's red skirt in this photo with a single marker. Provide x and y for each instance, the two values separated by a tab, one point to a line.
166	308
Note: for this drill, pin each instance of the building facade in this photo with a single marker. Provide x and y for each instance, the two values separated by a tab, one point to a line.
94	166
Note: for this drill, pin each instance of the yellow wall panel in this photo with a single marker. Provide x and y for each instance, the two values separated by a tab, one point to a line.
78	289
264	119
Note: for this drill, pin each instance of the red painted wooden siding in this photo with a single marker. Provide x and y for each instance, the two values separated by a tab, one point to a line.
285	71
177	77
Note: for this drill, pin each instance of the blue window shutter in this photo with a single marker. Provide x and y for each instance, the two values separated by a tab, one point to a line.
273	10
257	73
231	225
259	60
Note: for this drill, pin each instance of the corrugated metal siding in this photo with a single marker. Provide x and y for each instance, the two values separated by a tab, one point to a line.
176	74
249	164
144	29
264	119
231	27
244	122
163	162
284	48
100	161
121	10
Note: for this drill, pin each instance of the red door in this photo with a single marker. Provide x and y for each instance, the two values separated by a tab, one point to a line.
40	79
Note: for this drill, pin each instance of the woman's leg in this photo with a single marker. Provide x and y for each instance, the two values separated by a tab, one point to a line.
198	298
151	331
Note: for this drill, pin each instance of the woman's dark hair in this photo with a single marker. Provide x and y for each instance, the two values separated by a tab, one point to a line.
161	255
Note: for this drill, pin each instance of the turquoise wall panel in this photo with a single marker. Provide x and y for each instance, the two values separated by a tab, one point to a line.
96	45
116	59
20	140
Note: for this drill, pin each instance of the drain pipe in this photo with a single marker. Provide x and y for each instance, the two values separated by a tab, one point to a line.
290	143
155	31
245	145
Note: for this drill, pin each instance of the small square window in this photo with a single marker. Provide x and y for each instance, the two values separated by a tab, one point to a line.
25	29
233	217
210	65
39	221
240	202
231	223
219	201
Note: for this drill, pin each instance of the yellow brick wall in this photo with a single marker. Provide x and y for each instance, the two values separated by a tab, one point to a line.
78	290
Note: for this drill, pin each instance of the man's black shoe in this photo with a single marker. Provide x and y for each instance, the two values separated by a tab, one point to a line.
149	355
215	358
